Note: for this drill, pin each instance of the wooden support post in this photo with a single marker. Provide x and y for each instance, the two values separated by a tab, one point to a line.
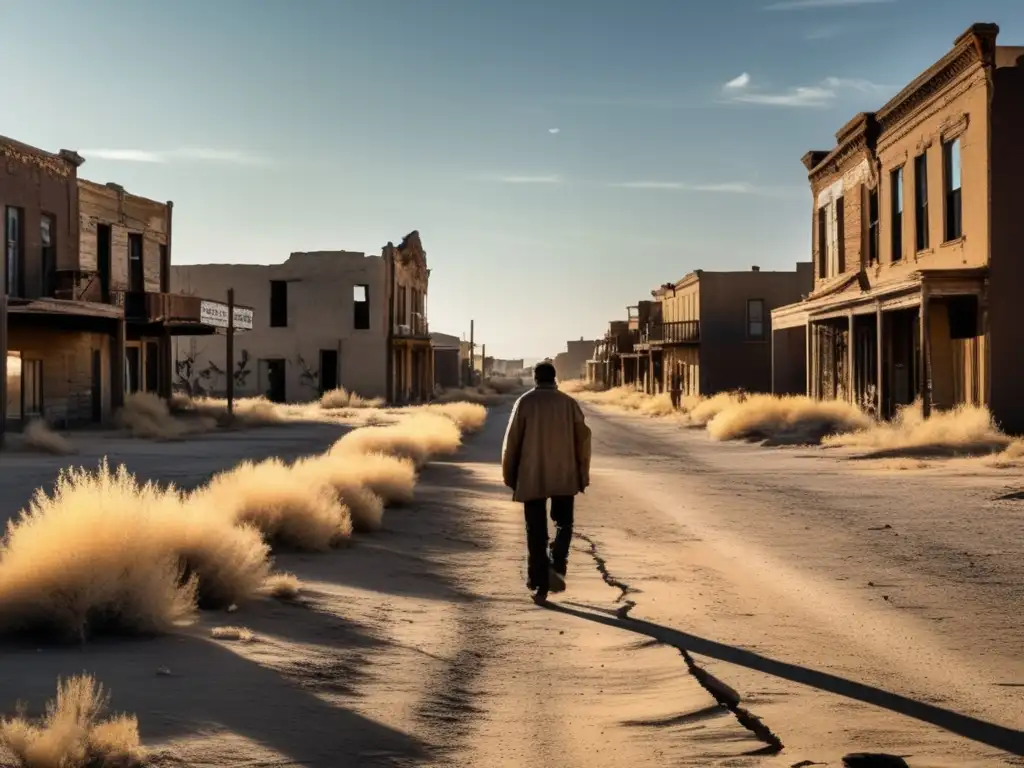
808	360
230	345
926	354
472	356
879	362
117	366
851	359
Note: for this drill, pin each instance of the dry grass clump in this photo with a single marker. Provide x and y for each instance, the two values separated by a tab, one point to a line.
246	411
581	386
393	478
148	416
701	410
342	474
238	634
967	430
468	417
39	437
342	398
105	553
74	733
283	586
419	438
481	395
786	420
505	385
305	515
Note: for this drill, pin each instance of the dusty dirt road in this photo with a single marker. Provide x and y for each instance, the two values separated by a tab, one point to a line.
771	570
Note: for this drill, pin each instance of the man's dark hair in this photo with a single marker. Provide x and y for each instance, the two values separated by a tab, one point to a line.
544	373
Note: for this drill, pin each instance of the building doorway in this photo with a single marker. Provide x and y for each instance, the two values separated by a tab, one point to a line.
328	370
133	369
272	379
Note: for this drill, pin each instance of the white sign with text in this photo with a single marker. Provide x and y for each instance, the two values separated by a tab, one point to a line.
215	313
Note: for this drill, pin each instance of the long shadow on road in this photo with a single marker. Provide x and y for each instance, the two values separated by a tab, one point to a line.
993	735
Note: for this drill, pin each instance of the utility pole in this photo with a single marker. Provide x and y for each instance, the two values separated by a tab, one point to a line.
472	355
389	363
231	352
483	361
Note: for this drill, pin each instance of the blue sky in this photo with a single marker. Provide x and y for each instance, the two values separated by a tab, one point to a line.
559	157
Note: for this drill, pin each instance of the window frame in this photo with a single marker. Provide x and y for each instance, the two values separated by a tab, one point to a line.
952	197
897	207
762	335
922	235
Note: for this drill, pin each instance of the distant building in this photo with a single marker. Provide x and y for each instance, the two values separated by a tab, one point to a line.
448	367
572	364
324	320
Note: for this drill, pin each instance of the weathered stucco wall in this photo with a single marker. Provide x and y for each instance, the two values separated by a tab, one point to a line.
320	316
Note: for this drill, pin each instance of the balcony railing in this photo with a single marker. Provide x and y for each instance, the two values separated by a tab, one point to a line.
153	307
677	332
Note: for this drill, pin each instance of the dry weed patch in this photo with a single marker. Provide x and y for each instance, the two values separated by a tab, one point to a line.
283	586
419	438
964	431
39	437
342	398
785	420
74	732
238	634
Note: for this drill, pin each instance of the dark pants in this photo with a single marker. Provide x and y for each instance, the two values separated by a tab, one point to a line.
540	557
677	396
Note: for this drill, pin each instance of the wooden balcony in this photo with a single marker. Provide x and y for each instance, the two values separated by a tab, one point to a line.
147	307
669	334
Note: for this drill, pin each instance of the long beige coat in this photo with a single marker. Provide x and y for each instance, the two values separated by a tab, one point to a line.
546	451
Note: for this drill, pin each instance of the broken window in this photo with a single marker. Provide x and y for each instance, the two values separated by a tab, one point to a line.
278	304
755	319
951	180
896	190
921	201
402	313
361	307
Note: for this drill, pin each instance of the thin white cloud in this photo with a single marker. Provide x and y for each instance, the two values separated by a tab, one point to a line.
197	154
738	83
554	130
806	5
805	96
530	179
732	187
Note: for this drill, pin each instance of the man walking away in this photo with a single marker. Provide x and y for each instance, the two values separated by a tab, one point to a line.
677	388
546	455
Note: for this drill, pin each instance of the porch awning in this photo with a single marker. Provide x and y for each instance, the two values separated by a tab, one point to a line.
888	297
62	315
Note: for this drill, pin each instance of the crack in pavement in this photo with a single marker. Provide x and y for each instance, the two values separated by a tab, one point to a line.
722	693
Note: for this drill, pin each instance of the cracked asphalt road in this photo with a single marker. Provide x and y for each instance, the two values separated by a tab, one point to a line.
832	609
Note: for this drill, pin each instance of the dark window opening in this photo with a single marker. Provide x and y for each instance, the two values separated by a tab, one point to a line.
13	247
361	307
822	242
755	319
278	304
840	236
136	275
165	268
951	179
963	317
921	202
103	260
403	305
873	241
328	370
48	246
896	190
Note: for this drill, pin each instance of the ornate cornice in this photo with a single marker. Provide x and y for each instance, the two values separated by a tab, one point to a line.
15	153
975	46
928	109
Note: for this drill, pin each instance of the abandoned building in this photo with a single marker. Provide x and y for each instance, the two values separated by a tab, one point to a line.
449	365
916	231
711	329
323	320
608	368
86	314
572	363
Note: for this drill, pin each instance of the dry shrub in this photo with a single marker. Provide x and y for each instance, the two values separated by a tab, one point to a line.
74	733
468	417
106	553
342	398
505	385
283	586
701	410
246	411
268	495
392	478
341	473
419	438
479	395
148	416
658	406
239	634
785	420
39	437
581	386
967	430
